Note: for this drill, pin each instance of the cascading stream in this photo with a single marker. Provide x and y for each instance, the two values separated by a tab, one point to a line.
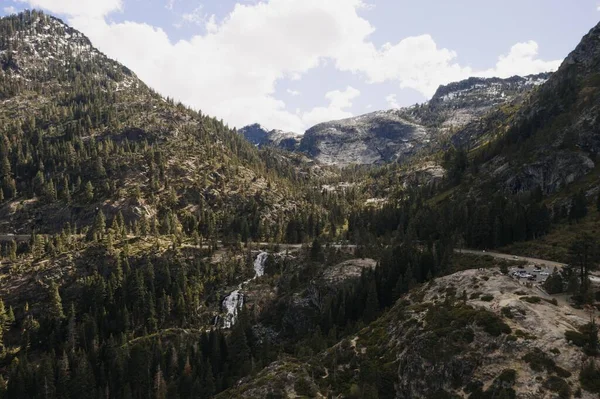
234	301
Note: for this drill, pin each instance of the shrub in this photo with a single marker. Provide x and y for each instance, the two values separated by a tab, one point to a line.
577	338
562	372
475	295
507	377
524	335
305	387
539	361
487	298
507	312
590	377
492	324
442	394
531	299
473	386
558	385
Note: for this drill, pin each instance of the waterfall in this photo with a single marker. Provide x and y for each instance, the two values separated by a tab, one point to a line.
259	264
234	301
232	304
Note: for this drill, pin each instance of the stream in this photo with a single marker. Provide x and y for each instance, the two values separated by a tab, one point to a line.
234	301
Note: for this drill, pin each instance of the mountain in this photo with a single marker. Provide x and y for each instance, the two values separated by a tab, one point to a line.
261	137
395	135
551	140
80	132
147	250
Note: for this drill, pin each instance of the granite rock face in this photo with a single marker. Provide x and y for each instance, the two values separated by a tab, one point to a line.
259	136
397	134
553	137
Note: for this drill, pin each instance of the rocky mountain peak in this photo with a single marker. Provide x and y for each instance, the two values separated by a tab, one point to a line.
486	89
260	136
35	47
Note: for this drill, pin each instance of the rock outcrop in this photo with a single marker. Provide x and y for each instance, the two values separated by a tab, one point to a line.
397	134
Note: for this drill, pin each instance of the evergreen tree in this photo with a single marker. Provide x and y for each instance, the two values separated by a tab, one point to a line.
88	193
3	322
578	206
239	350
584	254
55	310
371	304
99	227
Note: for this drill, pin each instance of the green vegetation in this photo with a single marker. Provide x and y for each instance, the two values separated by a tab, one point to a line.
133	210
558	385
500	388
590	377
586	338
540	361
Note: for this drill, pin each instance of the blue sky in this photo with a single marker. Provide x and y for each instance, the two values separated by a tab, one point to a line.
290	64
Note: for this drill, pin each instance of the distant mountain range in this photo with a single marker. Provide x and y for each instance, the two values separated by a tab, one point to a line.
396	134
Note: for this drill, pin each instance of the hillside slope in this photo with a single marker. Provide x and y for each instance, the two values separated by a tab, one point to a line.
475	333
553	139
80	132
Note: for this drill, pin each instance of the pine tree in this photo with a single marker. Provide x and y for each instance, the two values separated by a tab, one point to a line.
99	226
578	206
372	304
584	254
3	322
55	311
12	250
160	385
240	351
88	193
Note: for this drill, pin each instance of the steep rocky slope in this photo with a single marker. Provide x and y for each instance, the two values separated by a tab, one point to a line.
551	140
394	135
476	332
80	132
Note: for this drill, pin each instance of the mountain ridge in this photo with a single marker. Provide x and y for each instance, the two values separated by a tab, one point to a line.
396	134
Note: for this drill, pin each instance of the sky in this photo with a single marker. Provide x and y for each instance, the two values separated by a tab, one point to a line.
290	64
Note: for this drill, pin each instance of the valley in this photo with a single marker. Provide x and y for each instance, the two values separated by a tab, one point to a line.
149	250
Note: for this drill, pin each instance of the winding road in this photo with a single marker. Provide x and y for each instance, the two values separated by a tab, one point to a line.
534	261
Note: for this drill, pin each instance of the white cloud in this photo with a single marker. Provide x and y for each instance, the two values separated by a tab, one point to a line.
89	8
211	24
170	4
339	101
231	70
392	101
197	16
9	10
521	60
293	93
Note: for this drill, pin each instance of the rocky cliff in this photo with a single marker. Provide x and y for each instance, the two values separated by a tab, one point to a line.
260	137
394	135
553	138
